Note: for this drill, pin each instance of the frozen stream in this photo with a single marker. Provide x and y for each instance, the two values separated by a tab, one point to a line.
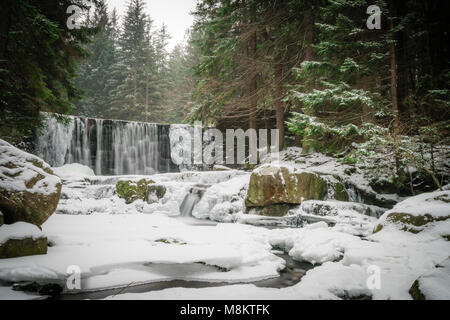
288	277
152	251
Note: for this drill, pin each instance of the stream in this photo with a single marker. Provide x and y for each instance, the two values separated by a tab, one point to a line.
288	277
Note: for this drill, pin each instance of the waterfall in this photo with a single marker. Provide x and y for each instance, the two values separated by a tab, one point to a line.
109	147
191	200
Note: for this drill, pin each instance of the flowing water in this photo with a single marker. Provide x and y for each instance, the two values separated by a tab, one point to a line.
191	200
109	147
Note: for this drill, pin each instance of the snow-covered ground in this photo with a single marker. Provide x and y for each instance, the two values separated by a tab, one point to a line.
118	245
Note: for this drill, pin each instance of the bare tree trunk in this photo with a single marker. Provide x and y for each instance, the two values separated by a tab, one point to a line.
309	35
278	103
252	87
394	84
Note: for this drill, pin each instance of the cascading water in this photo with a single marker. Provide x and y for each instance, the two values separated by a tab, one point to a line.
109	147
191	200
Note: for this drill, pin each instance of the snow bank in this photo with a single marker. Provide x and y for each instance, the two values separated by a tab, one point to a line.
19	231
436	204
435	284
315	243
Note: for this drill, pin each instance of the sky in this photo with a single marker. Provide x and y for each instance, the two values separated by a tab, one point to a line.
174	13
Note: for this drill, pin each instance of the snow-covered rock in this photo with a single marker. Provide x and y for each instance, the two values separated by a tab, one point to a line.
338	208
21	239
29	190
421	212
73	170
223	201
316	243
433	285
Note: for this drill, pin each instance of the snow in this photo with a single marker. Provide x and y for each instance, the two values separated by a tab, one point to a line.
293	159
435	284
354	218
73	170
19	231
223	201
117	245
315	243
436	204
101	244
17	168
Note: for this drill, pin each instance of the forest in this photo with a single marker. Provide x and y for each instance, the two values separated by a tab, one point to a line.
100	112
312	69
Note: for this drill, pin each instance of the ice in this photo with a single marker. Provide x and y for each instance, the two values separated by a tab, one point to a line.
73	170
117	245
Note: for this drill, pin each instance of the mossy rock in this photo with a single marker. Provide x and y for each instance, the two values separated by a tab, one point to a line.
29	190
14	248
158	190
276	210
1	219
408	222
340	193
132	191
271	185
415	292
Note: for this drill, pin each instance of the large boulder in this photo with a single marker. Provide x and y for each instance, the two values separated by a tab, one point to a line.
434	284
29	190
145	190
21	239
271	185
417	213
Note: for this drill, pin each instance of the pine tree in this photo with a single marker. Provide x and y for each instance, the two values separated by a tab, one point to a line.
38	60
97	71
128	100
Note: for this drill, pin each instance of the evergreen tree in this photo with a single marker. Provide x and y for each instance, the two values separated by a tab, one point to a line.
128	97
96	73
38	60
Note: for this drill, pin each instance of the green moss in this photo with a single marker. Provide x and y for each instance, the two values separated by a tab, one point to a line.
276	210
378	228
158	190
280	186
25	247
140	190
340	193
415	292
410	223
